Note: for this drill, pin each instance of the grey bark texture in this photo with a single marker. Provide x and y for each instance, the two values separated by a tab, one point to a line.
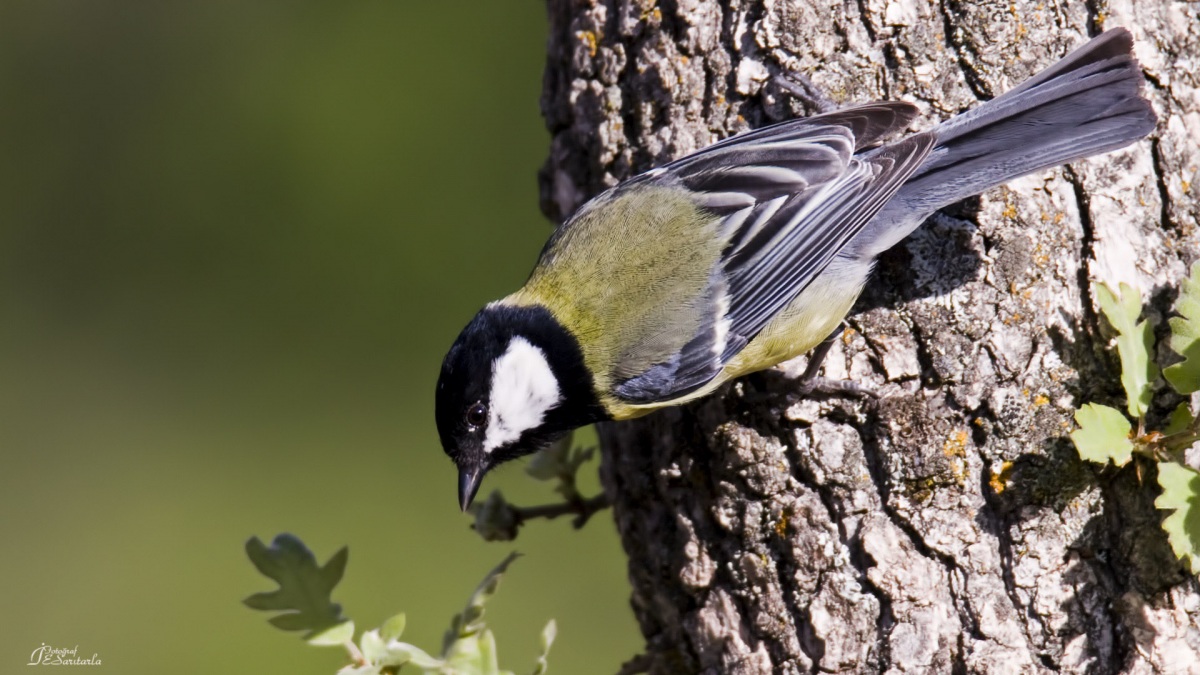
949	527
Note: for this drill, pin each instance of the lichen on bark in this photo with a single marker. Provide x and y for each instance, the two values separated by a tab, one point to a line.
950	527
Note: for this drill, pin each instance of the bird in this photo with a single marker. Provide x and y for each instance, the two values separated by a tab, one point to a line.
747	253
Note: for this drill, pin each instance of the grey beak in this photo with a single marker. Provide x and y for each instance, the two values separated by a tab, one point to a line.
468	485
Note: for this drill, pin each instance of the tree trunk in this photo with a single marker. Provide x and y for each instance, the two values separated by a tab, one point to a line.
949	527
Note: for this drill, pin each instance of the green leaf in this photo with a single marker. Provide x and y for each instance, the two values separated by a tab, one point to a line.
1135	343
489	664
393	628
548	635
401	653
1179	420
1181	492
369	669
333	637
1103	434
472	654
372	646
304	587
1185	336
470	620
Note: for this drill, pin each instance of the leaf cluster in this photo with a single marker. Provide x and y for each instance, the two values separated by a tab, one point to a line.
1105	434
305	596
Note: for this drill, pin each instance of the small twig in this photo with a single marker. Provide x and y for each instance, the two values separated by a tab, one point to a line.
583	509
356	655
499	520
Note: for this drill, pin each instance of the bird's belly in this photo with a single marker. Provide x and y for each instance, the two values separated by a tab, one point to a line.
802	325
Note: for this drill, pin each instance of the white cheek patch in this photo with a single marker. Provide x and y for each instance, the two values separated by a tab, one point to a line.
524	389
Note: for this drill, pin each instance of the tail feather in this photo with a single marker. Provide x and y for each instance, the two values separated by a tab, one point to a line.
1086	104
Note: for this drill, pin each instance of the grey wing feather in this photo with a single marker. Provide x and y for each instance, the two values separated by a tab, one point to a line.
867	124
765	276
791	196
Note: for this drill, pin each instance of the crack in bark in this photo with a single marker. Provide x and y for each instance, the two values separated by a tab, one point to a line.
748	604
955	573
1121	647
930	377
801	616
672	22
1160	182
873	453
1087	253
729	22
812	646
798	618
865	19
857	555
954	41
999	528
859	558
887	617
959	665
1095	9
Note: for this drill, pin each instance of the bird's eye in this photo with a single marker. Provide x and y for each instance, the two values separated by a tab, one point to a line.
476	414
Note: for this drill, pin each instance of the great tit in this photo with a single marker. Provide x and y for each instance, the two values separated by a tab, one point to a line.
747	253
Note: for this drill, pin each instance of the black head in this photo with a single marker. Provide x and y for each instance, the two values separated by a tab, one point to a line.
513	382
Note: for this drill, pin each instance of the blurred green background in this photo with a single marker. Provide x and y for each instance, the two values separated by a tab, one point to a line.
235	241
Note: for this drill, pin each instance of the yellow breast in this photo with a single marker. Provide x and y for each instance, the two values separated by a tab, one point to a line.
801	326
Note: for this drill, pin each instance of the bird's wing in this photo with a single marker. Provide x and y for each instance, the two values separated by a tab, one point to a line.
790	197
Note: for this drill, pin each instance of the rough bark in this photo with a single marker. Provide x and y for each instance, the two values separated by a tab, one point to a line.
950	527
